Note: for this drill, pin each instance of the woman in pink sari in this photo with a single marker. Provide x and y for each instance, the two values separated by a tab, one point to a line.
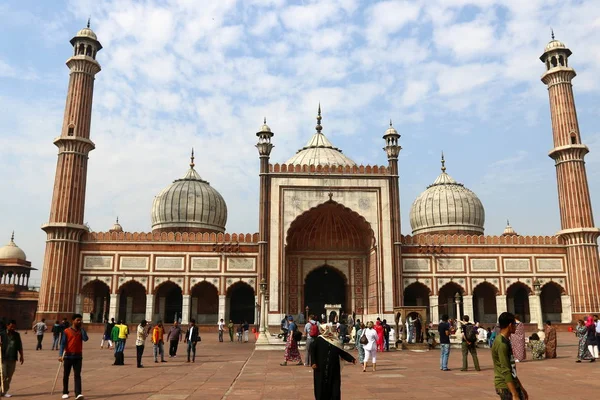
517	340
379	330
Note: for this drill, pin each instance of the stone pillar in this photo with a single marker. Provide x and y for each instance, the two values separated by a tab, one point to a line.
129	310
222	300
501	304
149	307
114	306
185	309
535	310
468	307
565	316
79	304
434	309
257	310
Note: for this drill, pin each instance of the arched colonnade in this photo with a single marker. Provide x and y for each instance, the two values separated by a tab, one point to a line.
485	302
168	302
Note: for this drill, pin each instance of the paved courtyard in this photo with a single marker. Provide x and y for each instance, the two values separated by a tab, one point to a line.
236	371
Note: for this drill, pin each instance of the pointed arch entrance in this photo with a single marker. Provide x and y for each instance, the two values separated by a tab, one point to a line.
517	298
96	299
484	303
168	302
330	255
324	285
241	303
417	294
132	302
551	302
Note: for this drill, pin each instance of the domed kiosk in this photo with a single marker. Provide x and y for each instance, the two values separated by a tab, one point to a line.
189	204
447	206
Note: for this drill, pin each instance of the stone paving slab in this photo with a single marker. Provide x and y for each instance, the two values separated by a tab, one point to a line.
236	371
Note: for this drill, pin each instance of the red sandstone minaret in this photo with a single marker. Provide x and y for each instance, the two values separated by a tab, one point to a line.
66	226
392	149
577	221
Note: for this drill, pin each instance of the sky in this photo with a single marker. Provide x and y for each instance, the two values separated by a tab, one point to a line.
458	76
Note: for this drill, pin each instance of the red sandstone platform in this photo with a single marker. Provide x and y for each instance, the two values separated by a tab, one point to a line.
236	371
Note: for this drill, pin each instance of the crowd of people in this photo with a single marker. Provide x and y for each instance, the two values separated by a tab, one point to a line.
327	342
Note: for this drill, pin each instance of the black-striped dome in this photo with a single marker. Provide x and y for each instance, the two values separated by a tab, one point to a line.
189	204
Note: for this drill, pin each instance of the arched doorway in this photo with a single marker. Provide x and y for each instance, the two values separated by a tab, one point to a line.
484	303
417	294
168	302
447	300
335	233
324	285
517	298
205	303
132	302
551	302
241	303
96	298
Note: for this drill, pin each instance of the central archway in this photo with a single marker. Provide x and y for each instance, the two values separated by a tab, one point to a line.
324	285
331	258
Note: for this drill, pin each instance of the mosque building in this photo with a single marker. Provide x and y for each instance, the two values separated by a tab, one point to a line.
329	232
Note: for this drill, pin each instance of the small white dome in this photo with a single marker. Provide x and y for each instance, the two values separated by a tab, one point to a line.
447	207
320	151
116	227
87	33
509	231
11	250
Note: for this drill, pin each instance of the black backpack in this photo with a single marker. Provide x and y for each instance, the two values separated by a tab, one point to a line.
471	333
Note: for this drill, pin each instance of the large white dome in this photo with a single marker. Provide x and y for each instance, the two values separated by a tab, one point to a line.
447	206
189	204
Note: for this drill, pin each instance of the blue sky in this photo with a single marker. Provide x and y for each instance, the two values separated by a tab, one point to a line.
454	75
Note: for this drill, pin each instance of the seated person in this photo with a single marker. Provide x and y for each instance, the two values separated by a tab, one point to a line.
537	346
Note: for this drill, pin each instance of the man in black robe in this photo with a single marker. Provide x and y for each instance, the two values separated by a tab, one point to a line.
325	354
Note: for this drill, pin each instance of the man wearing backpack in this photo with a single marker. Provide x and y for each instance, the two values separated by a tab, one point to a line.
469	343
312	332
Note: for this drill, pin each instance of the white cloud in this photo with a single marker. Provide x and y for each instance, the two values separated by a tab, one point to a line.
388	17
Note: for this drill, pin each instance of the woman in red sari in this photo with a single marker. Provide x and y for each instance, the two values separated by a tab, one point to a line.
517	340
379	330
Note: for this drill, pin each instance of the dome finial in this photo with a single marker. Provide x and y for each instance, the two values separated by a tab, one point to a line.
192	165
443	163
12	237
265	120
390	122
117	219
319	127
552	33
88	24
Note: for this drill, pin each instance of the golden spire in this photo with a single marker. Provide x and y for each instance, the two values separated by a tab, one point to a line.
443	163
319	127
192	165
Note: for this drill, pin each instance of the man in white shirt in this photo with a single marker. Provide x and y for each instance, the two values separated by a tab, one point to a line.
221	328
192	337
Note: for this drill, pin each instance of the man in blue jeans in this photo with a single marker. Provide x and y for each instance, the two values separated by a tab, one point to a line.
444	330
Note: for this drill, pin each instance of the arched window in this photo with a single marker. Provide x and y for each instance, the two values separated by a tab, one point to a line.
554	63
81	49
561	61
88	51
